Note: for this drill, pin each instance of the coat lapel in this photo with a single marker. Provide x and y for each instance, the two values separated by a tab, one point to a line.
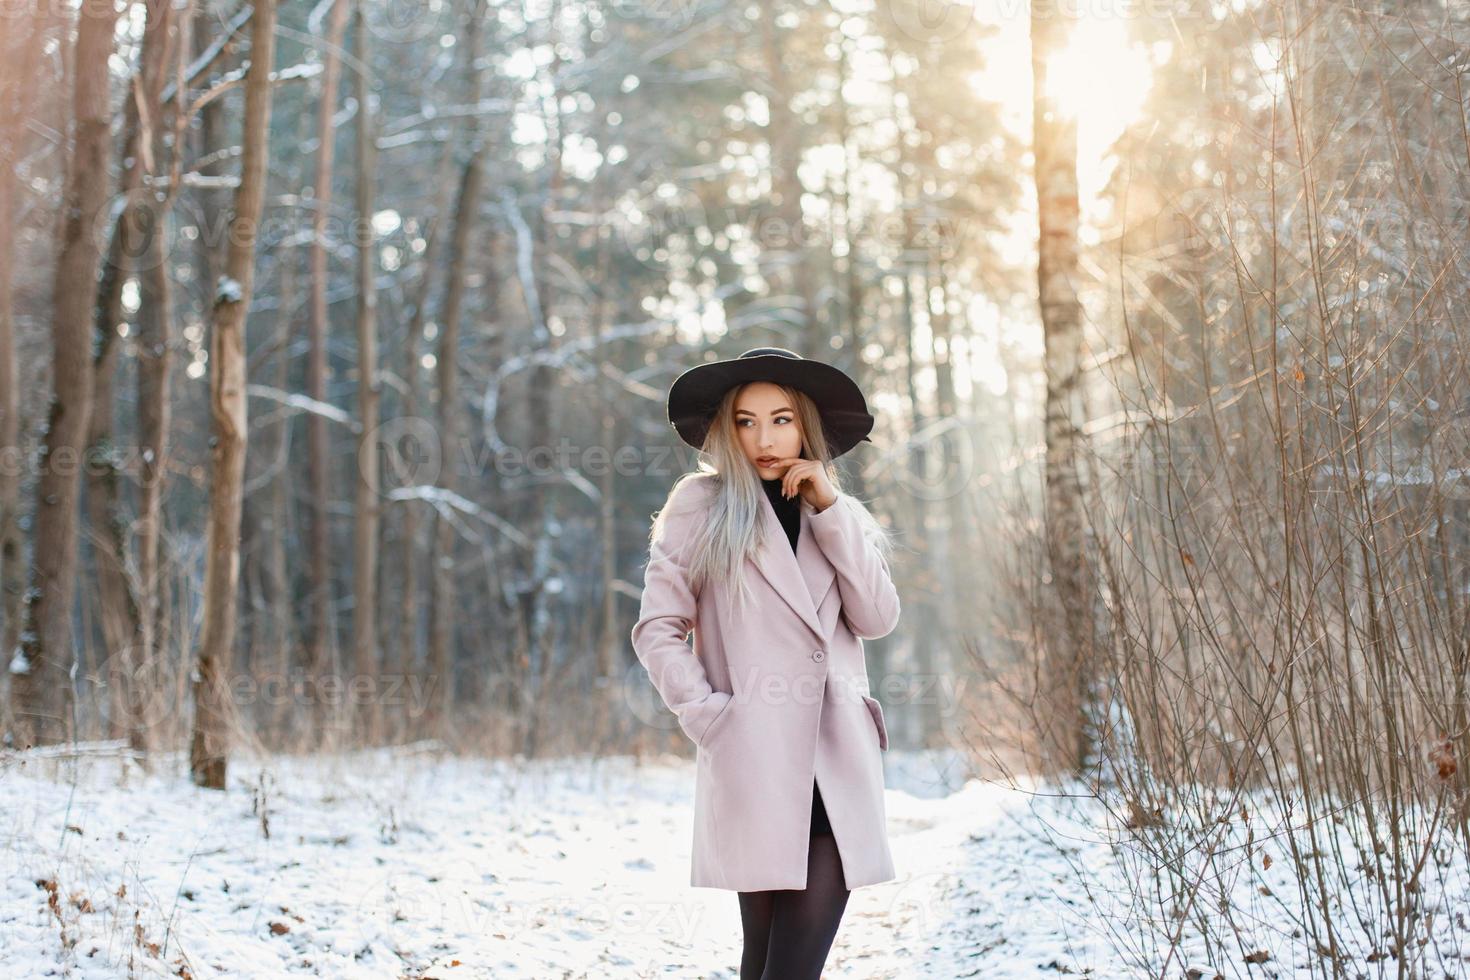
802	578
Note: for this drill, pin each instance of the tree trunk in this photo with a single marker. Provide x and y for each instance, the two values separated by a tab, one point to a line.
442	613
40	675
107	526
611	642
138	251
1061	318
541	404
369	488
282	637
405	654
21	49
319	578
208	752
856	287
928	630
929	635
441	631
154	412
958	543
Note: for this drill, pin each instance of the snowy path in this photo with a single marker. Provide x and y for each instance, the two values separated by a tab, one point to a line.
413	866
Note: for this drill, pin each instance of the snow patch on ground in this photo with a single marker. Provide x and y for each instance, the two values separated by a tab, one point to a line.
400	864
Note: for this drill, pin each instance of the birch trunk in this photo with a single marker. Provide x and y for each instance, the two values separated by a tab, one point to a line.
1055	148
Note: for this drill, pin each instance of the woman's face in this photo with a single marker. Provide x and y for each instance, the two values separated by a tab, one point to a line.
766	423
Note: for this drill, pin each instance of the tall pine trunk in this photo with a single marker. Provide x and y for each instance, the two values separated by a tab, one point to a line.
369	489
443	612
208	751
41	694
442	621
21	49
404	654
319	578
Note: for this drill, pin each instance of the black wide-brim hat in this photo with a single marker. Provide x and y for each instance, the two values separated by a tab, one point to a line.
695	395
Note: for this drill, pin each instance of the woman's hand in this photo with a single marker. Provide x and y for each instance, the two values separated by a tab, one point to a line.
809	478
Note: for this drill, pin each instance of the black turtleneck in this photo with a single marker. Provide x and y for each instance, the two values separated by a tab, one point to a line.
789	511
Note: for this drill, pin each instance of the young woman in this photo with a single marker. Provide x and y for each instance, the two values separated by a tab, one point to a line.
779	575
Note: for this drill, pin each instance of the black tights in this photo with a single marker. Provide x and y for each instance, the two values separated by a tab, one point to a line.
789	931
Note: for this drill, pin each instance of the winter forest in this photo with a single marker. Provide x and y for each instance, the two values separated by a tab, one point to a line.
337	340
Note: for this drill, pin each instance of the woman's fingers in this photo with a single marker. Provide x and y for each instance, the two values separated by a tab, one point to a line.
796	472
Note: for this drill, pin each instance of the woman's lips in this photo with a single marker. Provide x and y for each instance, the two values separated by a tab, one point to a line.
766	461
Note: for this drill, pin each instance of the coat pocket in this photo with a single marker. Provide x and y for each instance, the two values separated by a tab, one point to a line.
876	710
717	720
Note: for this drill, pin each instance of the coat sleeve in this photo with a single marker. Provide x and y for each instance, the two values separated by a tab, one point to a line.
666	617
869	598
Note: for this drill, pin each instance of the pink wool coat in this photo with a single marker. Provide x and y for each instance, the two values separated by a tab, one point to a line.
776	695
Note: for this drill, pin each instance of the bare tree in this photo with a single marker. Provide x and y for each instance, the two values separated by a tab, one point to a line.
323	642
404	652
369	489
441	636
155	368
41	675
451	425
1055	142
137	251
208	751
21	48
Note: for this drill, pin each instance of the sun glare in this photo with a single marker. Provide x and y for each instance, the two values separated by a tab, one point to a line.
1100	79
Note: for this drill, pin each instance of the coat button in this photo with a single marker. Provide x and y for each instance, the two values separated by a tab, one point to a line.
818	656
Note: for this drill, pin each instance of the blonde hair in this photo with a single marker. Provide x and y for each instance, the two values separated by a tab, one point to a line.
732	529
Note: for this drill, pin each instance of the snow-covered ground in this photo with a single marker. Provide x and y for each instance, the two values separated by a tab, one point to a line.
416	864
410	864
